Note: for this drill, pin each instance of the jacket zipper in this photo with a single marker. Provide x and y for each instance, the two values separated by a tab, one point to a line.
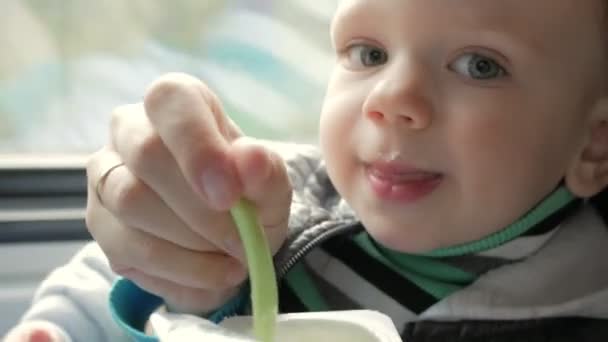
313	243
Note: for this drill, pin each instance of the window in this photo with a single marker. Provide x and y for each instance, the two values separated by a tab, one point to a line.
66	64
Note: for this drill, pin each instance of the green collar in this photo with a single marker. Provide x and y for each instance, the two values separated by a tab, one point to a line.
434	272
437	277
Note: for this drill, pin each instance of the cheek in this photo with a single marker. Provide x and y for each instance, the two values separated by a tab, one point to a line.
502	135
337	133
337	116
508	158
331	129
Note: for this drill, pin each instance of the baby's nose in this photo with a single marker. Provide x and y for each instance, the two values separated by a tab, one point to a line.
411	120
400	99
399	110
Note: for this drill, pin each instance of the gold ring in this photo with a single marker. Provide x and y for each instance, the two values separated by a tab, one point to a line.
102	180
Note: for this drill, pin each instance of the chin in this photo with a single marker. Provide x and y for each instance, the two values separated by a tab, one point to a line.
401	238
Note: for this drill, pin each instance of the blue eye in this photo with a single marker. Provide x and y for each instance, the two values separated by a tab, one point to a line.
478	67
366	56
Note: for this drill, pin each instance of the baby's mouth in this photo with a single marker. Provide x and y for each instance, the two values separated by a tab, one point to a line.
406	177
399	171
395	181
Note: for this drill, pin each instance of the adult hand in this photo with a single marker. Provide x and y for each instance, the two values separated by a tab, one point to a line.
160	193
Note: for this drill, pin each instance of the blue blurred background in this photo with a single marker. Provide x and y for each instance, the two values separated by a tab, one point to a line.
67	63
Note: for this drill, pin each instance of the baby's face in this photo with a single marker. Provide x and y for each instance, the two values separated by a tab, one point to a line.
445	121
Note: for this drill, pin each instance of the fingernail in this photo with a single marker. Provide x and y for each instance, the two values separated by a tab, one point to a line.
40	335
236	276
219	185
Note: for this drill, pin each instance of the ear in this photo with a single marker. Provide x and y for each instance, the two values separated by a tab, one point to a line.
588	173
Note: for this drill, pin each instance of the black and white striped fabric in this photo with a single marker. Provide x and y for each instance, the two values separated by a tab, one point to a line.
349	278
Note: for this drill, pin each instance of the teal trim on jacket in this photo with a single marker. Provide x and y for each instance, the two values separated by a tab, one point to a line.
131	307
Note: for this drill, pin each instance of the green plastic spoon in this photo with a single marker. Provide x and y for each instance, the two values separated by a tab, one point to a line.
264	297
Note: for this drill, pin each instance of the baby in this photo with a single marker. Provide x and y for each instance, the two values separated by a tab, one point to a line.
460	142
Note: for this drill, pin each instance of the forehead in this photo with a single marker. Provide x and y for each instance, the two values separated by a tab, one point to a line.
483	9
542	23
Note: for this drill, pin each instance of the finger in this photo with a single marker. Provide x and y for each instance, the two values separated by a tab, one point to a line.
132	248
190	121
35	331
266	183
204	270
146	155
40	335
99	165
180	298
136	205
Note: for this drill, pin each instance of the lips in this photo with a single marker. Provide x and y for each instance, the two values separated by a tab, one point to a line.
399	172
402	177
401	182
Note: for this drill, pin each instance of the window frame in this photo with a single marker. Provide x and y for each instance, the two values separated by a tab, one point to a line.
42	199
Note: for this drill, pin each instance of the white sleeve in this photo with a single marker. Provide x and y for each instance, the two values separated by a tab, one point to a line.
75	298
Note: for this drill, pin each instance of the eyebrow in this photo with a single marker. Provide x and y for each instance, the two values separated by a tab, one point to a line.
495	29
348	13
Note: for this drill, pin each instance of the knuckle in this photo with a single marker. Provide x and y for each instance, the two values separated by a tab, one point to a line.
117	116
92	164
126	195
144	150
210	98
174	89
124	120
225	124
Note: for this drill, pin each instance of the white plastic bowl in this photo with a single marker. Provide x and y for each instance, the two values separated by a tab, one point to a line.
334	326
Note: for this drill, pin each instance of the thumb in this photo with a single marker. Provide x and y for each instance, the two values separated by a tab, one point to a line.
265	183
36	331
